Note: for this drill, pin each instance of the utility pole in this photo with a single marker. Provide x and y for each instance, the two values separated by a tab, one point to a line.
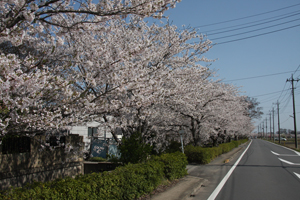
273	125
260	129
270	127
263	129
278	121
267	127
294	109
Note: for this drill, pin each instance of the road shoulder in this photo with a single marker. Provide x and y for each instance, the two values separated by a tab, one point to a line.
193	183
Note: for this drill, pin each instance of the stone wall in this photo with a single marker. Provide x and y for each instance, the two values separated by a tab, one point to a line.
17	169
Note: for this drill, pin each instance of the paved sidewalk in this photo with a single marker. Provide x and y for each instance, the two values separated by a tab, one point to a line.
184	188
200	176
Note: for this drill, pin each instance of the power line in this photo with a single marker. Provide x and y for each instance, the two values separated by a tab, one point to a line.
256	35
272	98
287	102
285	121
287	96
247	16
255	30
285	86
258	76
296	69
282	91
243	24
266	94
254	25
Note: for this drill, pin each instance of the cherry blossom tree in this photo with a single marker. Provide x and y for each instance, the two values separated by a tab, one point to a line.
207	110
64	62
97	65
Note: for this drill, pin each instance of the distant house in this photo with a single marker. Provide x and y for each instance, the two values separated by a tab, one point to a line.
97	138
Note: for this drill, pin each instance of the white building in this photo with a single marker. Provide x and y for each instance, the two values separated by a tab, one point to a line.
95	137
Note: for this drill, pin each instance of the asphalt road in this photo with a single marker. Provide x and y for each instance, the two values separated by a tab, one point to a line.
265	171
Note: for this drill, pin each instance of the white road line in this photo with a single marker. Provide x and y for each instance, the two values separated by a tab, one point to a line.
226	177
298	175
288	162
298	153
277	154
274	153
285	161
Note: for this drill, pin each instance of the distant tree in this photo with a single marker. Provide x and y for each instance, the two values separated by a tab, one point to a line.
254	111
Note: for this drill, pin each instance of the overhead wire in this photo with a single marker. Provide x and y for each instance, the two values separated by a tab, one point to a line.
244	38
296	69
257	35
255	30
271	98
248	16
285	94
287	102
285	121
257	76
297	76
243	24
256	25
281	93
267	94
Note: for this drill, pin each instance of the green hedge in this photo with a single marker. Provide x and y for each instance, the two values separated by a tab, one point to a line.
174	165
206	155
126	182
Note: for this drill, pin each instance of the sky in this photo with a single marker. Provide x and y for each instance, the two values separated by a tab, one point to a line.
272	57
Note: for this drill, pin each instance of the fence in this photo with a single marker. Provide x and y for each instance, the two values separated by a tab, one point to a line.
23	160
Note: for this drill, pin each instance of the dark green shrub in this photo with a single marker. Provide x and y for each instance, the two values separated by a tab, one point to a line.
206	155
174	147
134	150
193	153
174	165
199	154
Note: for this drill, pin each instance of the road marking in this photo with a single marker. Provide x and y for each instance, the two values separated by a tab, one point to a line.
215	193
288	162
285	161
298	175
298	153
277	154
